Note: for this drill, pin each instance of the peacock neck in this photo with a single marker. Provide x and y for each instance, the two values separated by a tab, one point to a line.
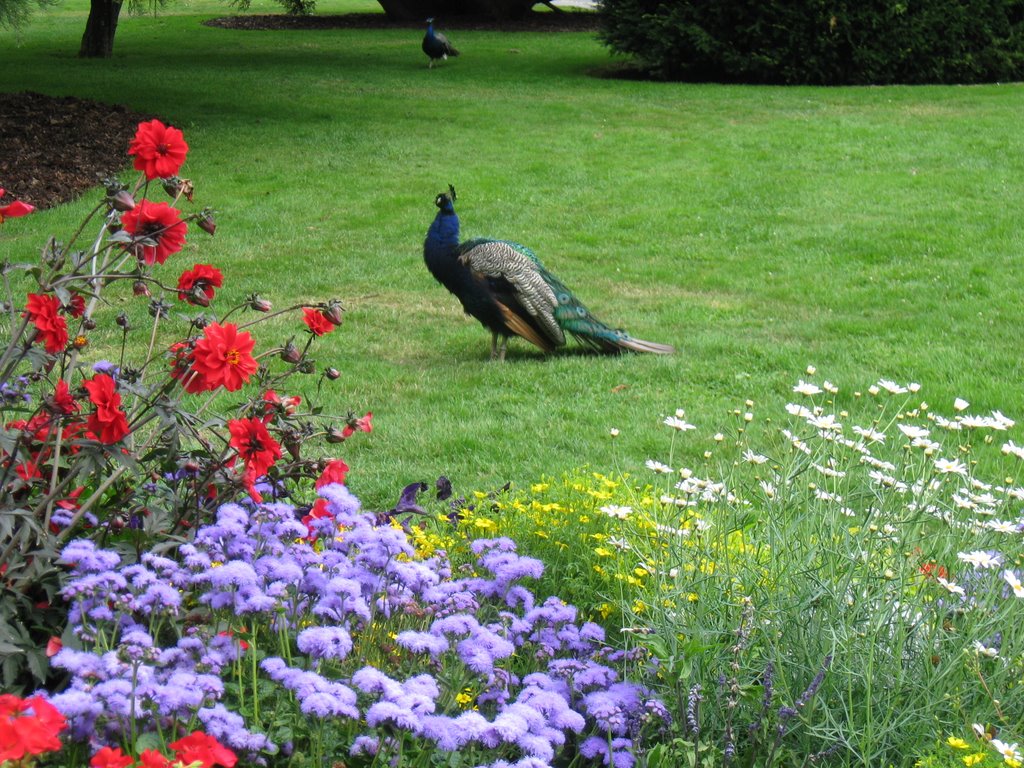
443	235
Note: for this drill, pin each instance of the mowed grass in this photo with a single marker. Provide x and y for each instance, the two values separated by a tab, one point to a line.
868	231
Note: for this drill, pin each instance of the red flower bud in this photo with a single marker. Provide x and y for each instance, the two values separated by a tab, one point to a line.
198	296
259	304
207	224
336	435
333	311
141	288
291	353
332	373
174	186
120	200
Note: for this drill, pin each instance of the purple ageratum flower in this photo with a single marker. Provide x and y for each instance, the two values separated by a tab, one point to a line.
389	713
611	708
107	367
325	642
618	757
422	642
83	557
476	656
229	729
372	680
365	745
341	502
82	710
456	624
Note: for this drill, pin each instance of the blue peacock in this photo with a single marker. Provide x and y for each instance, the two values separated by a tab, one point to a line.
504	286
436	45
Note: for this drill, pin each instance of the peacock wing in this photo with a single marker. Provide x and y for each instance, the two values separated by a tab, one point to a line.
519	267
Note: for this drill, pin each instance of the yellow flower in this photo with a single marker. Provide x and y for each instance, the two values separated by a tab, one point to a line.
970	760
957	743
603	552
605	609
485	524
539	487
639	606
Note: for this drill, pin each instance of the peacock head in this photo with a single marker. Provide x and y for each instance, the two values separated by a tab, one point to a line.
446	200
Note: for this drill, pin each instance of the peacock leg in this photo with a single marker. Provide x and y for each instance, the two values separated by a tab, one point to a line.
501	349
494	346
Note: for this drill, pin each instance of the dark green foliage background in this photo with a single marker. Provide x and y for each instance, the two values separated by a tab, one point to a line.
820	42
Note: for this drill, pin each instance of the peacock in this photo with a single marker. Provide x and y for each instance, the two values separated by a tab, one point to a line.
436	45
504	286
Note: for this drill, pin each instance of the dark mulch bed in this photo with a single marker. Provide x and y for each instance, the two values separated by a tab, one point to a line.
55	148
562	21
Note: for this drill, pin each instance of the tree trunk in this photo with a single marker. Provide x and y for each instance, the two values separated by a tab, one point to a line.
98	40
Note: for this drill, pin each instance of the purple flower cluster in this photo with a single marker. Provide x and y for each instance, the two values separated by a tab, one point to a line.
539	678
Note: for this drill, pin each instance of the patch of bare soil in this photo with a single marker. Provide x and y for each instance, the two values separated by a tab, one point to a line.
56	147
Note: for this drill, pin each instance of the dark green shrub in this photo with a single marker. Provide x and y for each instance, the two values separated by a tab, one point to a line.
826	42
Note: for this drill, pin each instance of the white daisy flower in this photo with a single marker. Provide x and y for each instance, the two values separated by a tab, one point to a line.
1010	752
1001	419
892	387
950	467
754	458
657	466
807	388
950	587
613	432
960	404
913	431
979	558
614	510
983	650
870	434
1011	578
1011	449
679	423
826	423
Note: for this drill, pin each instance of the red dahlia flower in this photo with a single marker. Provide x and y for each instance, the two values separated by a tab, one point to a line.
62	400
158	222
108	422
205	749
51	328
254	443
182	369
317	321
223	357
159	150
274	403
334	472
202	278
258	449
14	209
362	424
76	305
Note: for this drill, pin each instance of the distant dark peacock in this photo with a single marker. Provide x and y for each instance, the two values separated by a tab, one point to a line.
505	287
436	45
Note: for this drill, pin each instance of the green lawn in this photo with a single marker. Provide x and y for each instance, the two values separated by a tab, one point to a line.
868	231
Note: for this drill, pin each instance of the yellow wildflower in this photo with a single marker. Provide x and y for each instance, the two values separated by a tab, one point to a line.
639	606
957	743
605	609
465	697
539	487
603	552
485	524
973	758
